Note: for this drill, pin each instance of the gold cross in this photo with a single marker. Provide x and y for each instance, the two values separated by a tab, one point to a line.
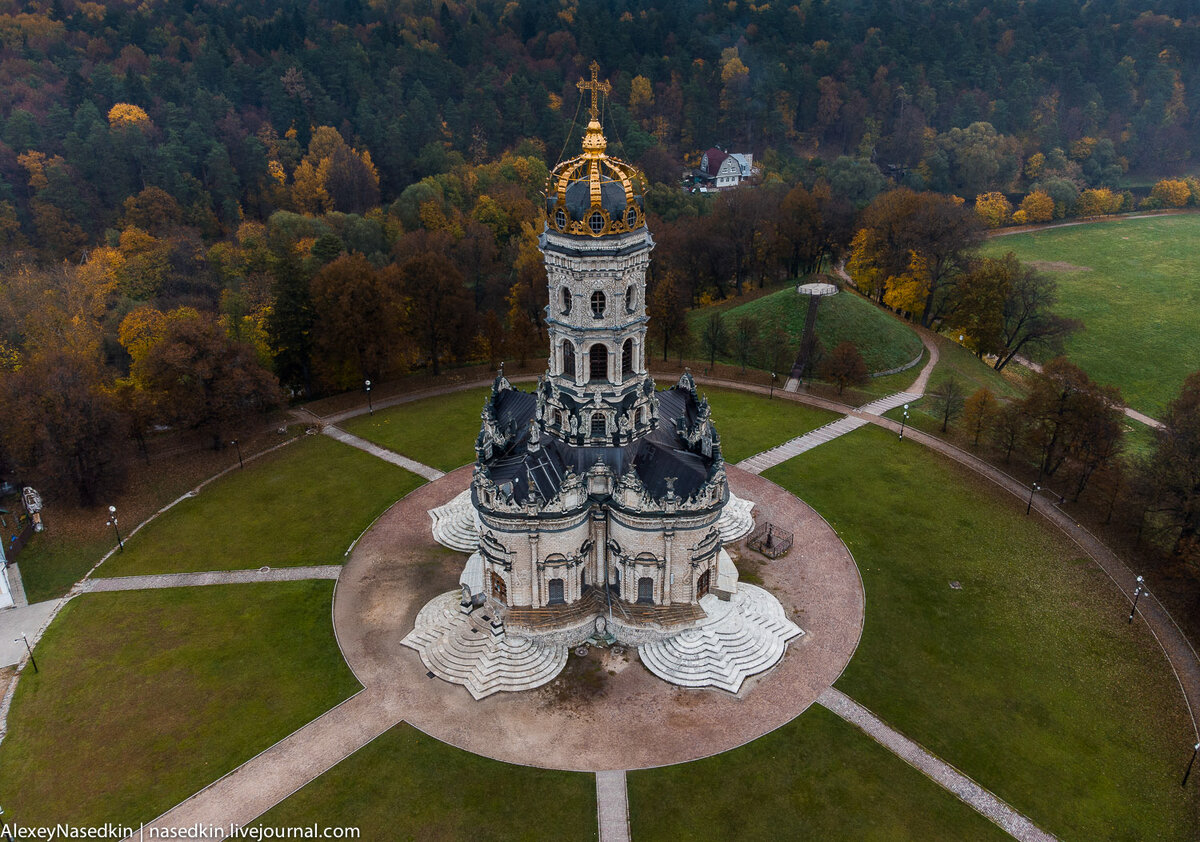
596	87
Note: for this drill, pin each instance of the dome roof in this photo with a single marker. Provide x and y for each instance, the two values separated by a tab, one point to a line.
592	194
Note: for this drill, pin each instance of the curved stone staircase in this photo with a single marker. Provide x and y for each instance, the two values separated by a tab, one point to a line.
456	524
739	638
474	650
737	519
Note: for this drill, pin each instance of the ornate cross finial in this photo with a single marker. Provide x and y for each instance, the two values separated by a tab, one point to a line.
596	87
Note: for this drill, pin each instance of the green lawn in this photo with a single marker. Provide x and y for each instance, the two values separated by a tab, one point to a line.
145	697
54	561
303	504
957	363
885	342
1135	284
750	423
1027	678
815	778
438	431
407	786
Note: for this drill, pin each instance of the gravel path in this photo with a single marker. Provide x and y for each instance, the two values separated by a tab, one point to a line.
216	577
938	770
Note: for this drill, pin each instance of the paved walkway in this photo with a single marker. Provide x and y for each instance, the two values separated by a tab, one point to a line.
938	770
216	577
17	586
260	783
14	622
760	462
383	453
612	806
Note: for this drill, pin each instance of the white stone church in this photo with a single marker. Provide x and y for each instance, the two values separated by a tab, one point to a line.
599	506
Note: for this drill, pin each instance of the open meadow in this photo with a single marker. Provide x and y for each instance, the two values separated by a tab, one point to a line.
1135	285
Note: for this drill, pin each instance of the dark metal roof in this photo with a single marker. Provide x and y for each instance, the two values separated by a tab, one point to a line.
655	457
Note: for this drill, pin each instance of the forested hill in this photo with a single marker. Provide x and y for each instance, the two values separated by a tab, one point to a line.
951	95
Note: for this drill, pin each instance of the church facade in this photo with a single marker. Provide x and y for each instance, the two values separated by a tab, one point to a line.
599	505
597	486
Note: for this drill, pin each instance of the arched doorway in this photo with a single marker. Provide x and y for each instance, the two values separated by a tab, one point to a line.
598	426
555	589
499	589
702	584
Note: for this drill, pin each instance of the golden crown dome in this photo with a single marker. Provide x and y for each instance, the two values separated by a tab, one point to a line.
592	194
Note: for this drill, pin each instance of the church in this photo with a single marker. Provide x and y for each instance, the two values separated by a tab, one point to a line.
599	505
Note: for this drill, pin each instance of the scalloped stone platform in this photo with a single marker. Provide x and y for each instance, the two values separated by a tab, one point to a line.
478	654
737	519
739	638
456	524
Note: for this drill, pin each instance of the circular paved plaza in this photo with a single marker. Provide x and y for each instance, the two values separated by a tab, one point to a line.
607	712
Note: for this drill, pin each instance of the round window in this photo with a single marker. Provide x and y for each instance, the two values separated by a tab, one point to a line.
631	217
596	222
560	219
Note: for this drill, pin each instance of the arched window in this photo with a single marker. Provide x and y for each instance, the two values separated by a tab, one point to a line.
598	362
626	359
597	304
566	301
596	222
598	426
568	354
629	299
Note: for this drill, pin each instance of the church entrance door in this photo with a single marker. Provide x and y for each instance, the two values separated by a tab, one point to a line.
555	587
646	590
702	584
499	589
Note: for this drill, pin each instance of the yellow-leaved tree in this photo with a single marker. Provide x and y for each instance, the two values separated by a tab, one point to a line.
862	266
1037	207
1171	192
993	209
127	114
909	291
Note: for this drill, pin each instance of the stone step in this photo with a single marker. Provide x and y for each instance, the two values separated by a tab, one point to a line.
739	638
456	524
470	652
737	519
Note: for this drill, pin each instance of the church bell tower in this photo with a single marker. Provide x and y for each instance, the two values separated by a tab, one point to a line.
596	248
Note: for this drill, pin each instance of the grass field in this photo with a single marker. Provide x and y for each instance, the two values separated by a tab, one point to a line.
883	341
438	431
145	697
750	423
1027	678
1135	285
407	786
815	778
301	505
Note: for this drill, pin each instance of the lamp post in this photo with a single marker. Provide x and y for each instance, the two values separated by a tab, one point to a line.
28	649
1137	593
1033	489
112	521
238	445
772	395
1195	751
370	406
903	422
